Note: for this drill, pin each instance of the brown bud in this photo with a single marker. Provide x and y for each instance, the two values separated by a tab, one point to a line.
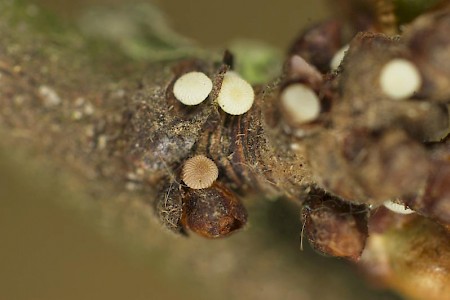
334	227
318	44
297	69
212	212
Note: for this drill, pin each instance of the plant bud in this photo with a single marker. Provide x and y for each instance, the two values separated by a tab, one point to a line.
212	212
334	227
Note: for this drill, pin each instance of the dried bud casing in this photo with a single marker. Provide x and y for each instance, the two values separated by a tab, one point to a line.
213	212
334	227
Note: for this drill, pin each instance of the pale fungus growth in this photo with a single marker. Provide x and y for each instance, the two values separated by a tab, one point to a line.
400	79
236	95
192	88
300	104
338	57
199	172
397	208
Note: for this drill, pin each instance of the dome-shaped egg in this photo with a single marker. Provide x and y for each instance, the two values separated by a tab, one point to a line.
192	88
236	95
199	172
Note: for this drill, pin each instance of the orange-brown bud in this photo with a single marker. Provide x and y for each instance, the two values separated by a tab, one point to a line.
212	212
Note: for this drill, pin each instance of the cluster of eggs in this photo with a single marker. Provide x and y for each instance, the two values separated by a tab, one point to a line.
399	79
236	96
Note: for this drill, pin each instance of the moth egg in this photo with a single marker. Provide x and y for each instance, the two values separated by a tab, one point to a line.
399	79
338	57
199	172
300	103
397	208
236	96
192	88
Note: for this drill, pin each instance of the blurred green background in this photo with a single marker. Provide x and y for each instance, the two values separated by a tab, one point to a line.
49	250
219	22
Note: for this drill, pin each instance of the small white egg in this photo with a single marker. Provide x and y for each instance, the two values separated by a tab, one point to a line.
397	208
300	103
192	88
400	79
236	96
338	57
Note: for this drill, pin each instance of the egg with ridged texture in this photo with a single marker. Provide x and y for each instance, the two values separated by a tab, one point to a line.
192	88
199	172
236	96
